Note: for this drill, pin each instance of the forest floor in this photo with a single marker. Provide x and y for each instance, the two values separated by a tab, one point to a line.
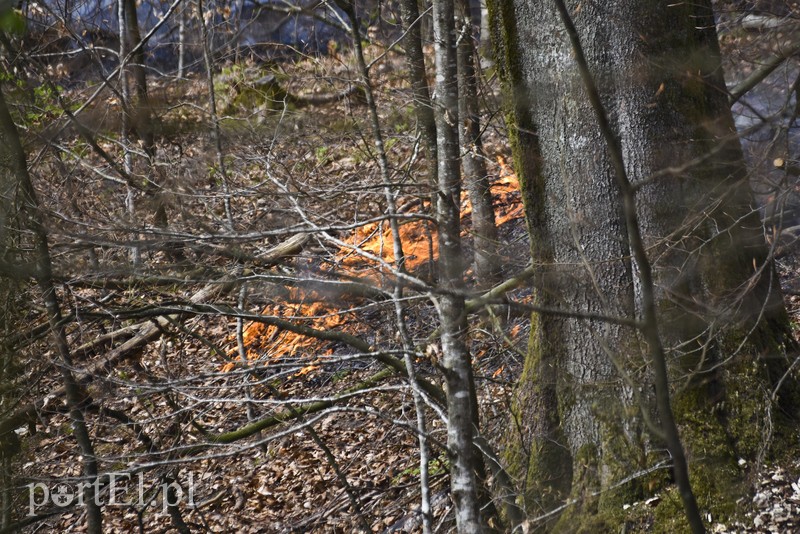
356	464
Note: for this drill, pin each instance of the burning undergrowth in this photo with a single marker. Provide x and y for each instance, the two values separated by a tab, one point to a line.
368	257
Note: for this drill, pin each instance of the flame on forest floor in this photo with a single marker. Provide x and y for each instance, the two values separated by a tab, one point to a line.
265	343
419	239
506	193
420	246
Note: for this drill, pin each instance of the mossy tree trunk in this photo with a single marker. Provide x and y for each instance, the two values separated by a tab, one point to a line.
585	394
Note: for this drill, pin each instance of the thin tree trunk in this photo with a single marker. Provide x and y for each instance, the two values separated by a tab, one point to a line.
9	443
455	354
485	48
423	108
6	499
397	245
125	125
415	60
142	116
476	179
13	167
182	39
141	110
216	133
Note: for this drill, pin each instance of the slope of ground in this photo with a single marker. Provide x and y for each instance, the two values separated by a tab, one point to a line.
332	464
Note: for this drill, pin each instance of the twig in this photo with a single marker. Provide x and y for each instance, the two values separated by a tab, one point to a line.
761	74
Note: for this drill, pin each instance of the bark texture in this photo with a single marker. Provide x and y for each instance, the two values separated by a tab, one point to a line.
415	60
456	361
476	179
586	389
141	112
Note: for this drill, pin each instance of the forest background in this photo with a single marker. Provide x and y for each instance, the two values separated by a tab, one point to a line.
392	266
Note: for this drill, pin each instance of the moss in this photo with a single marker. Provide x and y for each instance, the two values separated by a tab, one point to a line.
343	125
540	456
720	422
668	515
583	515
535	454
774	368
711	452
621	457
582	496
600	496
243	90
520	126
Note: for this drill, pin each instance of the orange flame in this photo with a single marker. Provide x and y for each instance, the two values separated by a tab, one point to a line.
420	246
506	191
417	237
265	342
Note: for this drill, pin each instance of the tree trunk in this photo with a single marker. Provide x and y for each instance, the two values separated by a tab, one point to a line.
139	108
11	317
182	20
585	393
125	125
142	116
216	130
423	107
415	60
476	179
14	177
420	87
456	361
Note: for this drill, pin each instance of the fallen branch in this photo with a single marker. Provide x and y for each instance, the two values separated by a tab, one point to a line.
215	309
291	413
148	333
121	333
269	85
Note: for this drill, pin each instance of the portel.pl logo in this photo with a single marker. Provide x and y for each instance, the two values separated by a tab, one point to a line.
116	489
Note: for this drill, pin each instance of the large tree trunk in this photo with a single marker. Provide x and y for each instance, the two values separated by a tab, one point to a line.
585	391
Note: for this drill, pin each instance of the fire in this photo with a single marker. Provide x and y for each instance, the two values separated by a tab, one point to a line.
418	239
420	246
264	342
506	192
505	169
